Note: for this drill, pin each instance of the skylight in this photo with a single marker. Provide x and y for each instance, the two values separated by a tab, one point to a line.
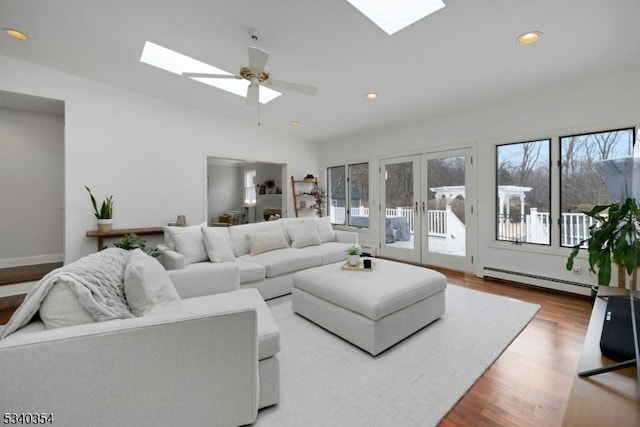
178	63
396	15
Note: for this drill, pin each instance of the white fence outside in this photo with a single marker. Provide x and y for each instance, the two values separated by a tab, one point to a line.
533	228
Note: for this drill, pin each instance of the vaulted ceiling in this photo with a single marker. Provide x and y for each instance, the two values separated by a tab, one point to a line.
462	56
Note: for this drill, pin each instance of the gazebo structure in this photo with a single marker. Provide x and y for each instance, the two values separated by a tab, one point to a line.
505	194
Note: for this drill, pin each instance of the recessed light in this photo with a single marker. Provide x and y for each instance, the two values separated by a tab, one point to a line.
371	95
295	122
15	34
529	38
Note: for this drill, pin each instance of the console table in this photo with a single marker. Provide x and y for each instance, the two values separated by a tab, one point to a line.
101	235
609	399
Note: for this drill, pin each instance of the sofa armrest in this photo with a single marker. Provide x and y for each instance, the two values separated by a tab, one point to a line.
123	372
343	236
170	259
206	278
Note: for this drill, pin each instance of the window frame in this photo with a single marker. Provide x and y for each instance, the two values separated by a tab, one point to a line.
633	130
347	192
497	214
248	189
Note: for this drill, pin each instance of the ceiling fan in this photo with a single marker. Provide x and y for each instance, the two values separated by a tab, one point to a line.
257	75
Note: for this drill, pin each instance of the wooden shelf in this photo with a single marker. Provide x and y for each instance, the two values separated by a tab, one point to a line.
301	189
144	231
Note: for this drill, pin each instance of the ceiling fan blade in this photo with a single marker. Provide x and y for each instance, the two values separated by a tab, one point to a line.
253	94
211	76
296	87
257	58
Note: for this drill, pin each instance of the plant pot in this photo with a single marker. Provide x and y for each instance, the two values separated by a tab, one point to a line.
353	259
105	225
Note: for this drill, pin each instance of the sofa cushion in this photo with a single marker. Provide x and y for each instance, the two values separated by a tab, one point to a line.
265	241
268	333
325	230
302	235
284	261
61	308
147	285
238	234
250	271
218	244
329	252
188	242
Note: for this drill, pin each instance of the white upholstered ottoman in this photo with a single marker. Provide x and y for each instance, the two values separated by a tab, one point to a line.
373	310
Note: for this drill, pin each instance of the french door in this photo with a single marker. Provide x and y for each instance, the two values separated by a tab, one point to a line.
427	213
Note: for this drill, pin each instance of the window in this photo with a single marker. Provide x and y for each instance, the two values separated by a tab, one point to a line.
585	161
523	192
250	187
359	195
582	177
348	194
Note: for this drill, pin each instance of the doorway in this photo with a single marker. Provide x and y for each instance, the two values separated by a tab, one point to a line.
32	174
427	209
244	190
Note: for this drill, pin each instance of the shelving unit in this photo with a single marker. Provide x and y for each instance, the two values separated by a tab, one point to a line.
302	199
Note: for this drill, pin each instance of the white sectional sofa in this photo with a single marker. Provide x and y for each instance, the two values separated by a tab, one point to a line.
267	254
215	348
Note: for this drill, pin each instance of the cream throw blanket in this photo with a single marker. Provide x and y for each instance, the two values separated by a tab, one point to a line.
97	280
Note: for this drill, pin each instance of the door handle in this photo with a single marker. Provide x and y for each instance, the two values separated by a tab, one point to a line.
423	208
417	210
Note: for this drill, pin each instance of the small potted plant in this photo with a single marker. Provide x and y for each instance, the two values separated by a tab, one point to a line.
105	214
353	254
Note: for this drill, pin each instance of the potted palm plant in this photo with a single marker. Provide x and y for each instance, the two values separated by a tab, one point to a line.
613	238
105	214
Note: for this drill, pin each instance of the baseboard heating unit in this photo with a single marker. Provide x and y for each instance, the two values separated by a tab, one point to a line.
536	280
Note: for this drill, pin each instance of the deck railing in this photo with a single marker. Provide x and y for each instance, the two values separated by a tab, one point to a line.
532	228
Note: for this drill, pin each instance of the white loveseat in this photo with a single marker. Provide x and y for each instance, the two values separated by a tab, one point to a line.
211	360
267	254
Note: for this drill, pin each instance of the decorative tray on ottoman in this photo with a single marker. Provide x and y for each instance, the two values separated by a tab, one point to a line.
359	267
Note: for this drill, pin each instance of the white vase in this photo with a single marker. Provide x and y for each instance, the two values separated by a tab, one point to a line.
354	259
105	225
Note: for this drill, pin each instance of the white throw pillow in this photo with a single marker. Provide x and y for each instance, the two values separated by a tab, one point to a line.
265	241
325	230
303	235
147	285
61	308
188	242
218	244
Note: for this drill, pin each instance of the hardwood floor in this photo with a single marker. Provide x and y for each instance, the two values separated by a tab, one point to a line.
26	273
530	383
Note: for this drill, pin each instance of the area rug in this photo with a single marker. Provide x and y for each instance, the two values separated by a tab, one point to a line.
326	381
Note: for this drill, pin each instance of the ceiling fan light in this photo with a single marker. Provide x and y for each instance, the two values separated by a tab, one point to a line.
15	34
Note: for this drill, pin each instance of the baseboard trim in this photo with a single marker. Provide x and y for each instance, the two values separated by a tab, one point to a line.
31	260
539	281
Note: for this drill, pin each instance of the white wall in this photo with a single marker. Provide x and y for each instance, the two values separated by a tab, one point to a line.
226	189
580	105
148	153
31	187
